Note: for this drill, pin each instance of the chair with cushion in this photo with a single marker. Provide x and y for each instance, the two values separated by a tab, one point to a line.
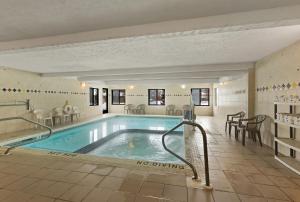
67	111
75	113
129	109
170	109
57	113
187	107
252	126
141	109
43	117
188	112
178	112
233	121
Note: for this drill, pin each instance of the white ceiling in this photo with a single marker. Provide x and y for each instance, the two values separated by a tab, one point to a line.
39	18
177	49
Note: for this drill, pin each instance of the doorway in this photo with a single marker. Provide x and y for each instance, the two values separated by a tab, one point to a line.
104	100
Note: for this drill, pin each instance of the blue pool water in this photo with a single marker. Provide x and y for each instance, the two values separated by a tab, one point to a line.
130	145
141	146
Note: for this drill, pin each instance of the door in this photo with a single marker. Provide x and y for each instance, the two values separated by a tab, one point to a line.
105	100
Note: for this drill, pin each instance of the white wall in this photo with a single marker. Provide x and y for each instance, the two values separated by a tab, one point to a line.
58	91
282	67
234	96
174	95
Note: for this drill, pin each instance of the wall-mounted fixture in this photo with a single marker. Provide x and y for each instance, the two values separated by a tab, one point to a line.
17	103
183	86
131	87
82	84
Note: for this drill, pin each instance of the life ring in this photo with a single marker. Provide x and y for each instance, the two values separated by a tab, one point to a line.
68	109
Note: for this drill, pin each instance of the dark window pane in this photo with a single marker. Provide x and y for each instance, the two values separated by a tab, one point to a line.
122	93
122	100
152	97
91	97
118	97
122	96
196	96
161	97
94	96
97	97
200	96
115	97
204	96
156	96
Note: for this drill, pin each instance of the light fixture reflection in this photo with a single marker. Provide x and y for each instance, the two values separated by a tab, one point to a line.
94	135
82	84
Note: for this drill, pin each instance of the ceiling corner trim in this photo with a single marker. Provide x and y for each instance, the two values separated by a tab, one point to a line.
281	16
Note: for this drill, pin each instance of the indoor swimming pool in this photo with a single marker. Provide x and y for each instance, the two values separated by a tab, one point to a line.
125	137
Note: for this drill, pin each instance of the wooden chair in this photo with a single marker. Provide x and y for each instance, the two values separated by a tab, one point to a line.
233	121
252	126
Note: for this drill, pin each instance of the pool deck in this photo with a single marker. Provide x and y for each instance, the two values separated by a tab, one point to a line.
237	174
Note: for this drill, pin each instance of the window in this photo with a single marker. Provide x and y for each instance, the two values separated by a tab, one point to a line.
200	96
118	97
156	96
94	96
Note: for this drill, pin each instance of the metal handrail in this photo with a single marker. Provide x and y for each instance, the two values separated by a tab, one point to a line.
28	120
195	177
17	103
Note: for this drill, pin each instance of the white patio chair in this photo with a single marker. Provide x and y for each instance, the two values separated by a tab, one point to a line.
75	113
43	117
57	113
170	109
129	109
67	111
141	109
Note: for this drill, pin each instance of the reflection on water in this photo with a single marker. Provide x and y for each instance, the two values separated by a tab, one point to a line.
94	135
76	138
141	146
156	128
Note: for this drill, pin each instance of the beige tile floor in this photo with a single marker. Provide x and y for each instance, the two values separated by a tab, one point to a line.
237	174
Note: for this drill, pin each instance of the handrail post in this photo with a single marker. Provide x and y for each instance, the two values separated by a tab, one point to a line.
204	137
17	103
30	121
177	156
207	180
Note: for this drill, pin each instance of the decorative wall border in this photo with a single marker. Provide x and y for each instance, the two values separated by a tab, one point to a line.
240	92
277	87
231	92
167	95
38	91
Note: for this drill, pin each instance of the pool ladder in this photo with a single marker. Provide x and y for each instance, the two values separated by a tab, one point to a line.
8	148
195	177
